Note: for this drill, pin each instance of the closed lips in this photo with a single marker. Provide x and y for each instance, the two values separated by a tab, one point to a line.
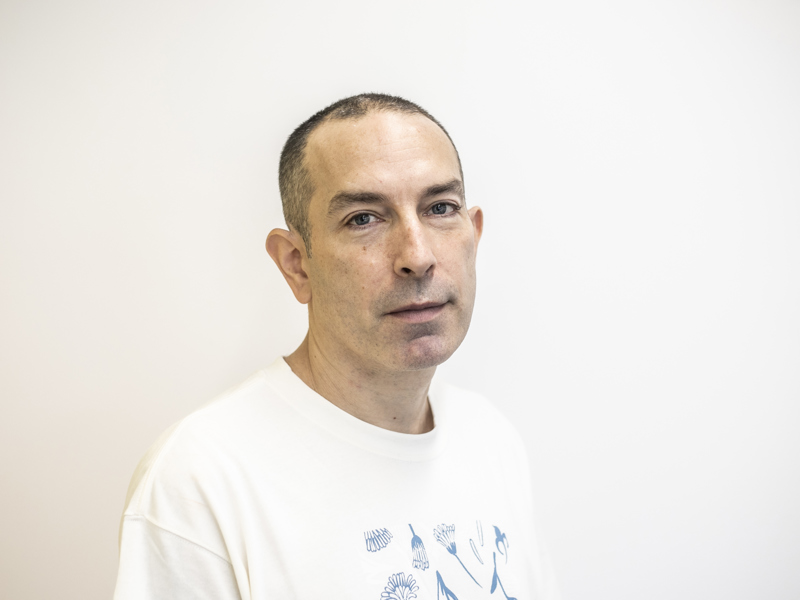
416	307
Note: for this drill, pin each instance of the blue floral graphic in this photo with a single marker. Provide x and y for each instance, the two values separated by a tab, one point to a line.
480	539
500	538
496	579
400	587
475	551
446	536
443	590
420	557
377	539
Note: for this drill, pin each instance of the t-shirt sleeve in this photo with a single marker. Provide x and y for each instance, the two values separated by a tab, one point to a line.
158	564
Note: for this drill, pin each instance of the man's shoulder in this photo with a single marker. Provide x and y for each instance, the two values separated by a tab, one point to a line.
192	449
221	416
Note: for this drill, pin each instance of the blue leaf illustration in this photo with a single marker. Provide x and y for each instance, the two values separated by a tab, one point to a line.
441	588
496	579
475	550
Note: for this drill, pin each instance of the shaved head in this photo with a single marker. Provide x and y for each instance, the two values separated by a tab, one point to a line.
295	180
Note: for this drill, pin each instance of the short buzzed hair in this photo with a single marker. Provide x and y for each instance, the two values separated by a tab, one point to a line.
294	180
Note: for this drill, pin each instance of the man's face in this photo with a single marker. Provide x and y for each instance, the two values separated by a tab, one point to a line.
392	272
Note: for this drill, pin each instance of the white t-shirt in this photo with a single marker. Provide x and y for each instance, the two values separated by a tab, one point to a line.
272	492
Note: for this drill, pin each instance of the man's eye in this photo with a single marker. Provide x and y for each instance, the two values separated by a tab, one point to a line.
361	219
441	208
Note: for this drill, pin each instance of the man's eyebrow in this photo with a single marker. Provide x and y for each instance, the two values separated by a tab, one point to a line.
451	187
344	199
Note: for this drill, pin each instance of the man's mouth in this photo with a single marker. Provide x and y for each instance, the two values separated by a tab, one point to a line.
418	312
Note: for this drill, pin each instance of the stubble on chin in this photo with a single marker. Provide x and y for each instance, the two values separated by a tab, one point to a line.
417	346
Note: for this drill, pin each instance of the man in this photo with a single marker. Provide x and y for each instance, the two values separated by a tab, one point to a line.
341	471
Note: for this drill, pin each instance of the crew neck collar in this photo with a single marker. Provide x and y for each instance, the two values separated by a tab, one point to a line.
325	414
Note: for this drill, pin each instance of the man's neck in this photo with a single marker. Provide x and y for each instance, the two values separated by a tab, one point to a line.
394	401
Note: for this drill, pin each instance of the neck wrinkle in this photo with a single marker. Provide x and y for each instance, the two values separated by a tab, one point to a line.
392	406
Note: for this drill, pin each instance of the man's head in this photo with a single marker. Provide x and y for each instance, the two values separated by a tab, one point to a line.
391	281
294	180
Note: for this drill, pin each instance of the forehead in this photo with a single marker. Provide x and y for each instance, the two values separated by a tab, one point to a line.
378	150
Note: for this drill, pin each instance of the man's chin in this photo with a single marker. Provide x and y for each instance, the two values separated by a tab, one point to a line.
425	353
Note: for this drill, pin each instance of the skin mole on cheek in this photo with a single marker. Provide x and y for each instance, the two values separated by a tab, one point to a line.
364	248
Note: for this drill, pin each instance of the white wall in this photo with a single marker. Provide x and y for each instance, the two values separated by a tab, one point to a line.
639	299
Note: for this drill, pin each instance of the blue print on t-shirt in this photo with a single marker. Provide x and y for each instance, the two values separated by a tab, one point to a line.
500	538
419	556
496	579
377	539
400	587
405	587
479	527
442	590
446	536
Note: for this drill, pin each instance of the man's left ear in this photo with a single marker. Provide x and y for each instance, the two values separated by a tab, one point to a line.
476	216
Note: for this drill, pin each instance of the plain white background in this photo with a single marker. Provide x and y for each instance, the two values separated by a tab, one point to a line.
638	311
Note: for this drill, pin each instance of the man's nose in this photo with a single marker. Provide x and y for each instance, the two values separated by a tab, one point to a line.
414	255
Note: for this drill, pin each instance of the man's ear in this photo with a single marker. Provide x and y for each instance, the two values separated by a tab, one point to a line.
476	216
288	251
